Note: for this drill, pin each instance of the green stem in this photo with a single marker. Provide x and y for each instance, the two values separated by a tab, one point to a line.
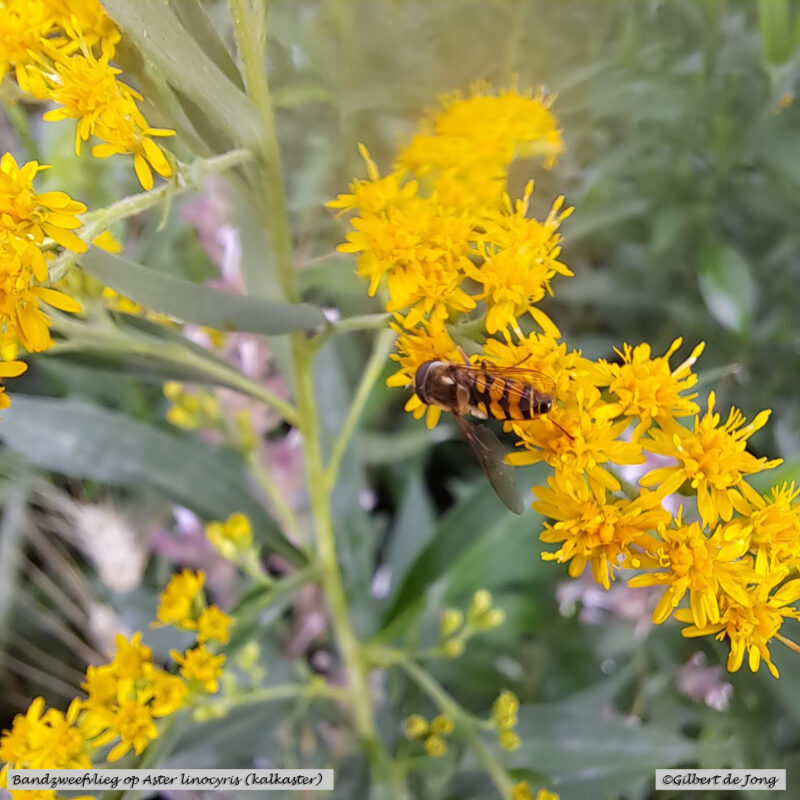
286	513
315	688
86	338
186	179
362	322
251	51
464	721
375	365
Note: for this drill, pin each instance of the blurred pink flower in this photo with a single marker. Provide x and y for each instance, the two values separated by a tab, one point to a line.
697	681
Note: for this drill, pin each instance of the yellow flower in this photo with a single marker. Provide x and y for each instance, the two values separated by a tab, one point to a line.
776	525
435	746
179	599
586	446
23	26
442	725
134	725
121	137
519	258
169	693
705	566
750	624
593	529
543	794
201	666
131	656
504	710
521	791
102	687
509	741
375	195
646	388
35	216
213	625
26	218
415	727
85	88
713	459
451	620
472	139
414	348
232	537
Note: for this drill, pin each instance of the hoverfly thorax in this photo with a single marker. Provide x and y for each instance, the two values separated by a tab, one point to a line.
437	383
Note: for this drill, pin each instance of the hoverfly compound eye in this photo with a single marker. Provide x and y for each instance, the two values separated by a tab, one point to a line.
546	405
420	377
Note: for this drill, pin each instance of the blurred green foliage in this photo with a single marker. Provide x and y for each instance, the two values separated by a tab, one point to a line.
683	163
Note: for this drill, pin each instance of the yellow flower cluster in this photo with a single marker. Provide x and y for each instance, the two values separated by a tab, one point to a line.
431	733
60	51
463	264
455	630
125	697
27	219
522	791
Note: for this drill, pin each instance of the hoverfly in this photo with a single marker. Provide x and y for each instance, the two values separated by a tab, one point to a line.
486	391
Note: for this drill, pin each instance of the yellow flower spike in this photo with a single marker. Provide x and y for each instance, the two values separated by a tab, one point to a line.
416	727
213	626
442	725
452	619
435	746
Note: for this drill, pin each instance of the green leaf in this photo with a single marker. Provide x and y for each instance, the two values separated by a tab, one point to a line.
586	753
193	302
153	27
726	286
197	22
84	441
469	521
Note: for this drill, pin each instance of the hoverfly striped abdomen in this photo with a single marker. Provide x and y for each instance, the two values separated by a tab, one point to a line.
505	398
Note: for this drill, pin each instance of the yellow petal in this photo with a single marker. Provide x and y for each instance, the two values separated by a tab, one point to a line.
11	369
143	172
57	299
64	238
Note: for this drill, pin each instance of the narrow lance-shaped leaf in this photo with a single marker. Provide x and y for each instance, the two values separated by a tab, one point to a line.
84	441
193	302
153	27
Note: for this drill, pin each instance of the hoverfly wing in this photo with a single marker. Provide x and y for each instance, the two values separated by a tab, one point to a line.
491	456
